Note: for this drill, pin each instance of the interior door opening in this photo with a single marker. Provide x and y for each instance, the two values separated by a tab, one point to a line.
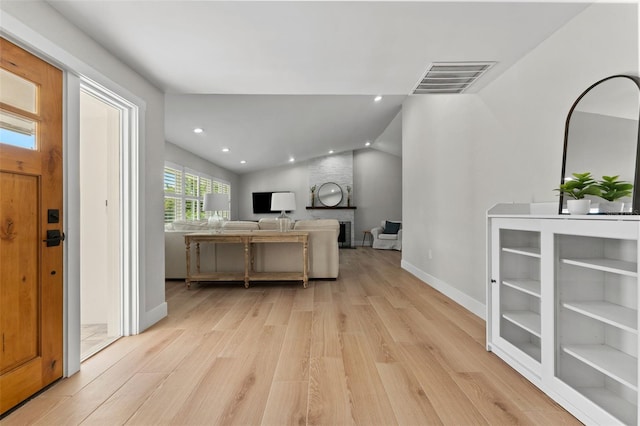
101	283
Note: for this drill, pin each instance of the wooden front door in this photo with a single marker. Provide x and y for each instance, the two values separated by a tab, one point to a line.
31	293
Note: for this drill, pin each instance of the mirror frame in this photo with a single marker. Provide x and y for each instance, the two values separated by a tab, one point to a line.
635	209
327	185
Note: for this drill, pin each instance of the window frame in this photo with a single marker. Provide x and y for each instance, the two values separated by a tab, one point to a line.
185	202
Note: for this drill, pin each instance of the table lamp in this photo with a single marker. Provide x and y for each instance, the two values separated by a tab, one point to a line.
216	203
283	201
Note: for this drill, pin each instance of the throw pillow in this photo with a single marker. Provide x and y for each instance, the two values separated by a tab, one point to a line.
391	227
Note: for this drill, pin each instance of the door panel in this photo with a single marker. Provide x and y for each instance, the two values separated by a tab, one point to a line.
31	292
20	324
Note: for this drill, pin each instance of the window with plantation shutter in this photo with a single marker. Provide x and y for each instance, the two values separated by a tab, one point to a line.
190	184
222	188
184	191
172	180
172	209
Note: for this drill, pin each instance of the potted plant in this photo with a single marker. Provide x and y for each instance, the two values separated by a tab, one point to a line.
576	188
611	190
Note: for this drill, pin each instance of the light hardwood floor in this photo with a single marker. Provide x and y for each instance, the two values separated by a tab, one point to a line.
375	347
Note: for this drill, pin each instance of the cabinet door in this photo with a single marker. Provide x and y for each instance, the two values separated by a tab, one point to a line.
596	317
515	291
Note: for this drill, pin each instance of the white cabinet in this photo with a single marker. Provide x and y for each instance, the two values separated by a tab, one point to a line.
563	309
516	324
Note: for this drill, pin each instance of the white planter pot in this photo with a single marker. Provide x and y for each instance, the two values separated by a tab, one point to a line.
611	207
579	206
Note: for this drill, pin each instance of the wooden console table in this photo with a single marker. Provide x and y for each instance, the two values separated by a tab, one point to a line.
248	239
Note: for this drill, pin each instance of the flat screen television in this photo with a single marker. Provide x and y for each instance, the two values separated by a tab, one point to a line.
262	202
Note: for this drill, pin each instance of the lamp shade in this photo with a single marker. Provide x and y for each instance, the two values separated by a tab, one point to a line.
216	202
281	201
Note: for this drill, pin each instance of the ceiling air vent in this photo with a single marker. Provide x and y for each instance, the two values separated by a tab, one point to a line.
451	77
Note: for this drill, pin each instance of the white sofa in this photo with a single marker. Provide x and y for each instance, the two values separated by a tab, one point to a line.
387	241
323	249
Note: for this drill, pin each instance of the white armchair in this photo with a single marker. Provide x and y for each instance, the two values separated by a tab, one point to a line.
389	240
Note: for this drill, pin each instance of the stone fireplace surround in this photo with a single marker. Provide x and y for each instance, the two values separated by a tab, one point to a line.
337	168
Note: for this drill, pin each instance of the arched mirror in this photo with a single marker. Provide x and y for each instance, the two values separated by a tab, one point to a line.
330	194
602	137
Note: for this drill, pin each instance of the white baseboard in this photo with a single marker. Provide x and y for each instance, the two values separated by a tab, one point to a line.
467	302
155	315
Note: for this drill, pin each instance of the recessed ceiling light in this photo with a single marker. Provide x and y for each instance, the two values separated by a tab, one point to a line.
367	143
225	149
243	162
291	160
377	98
330	151
198	130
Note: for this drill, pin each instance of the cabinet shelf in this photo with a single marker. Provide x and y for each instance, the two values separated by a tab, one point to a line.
530	349
525	251
618	365
625	411
527	320
609	313
607	265
531	287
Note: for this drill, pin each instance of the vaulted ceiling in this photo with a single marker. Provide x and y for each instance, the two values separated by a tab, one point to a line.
274	80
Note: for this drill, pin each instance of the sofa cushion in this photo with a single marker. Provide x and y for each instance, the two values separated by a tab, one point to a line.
190	225
271	224
302	225
391	227
240	225
388	236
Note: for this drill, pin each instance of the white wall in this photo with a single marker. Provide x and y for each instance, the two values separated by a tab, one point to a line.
95	118
100	222
377	183
36	26
464	153
185	158
293	178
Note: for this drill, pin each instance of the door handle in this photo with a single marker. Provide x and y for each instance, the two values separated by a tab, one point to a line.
54	237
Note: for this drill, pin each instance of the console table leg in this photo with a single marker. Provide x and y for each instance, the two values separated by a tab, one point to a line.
188	278
305	263
247	254
198	257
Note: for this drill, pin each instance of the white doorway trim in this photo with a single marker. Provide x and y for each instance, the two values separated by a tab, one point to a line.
129	207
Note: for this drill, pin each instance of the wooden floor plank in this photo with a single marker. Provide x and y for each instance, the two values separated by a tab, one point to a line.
370	401
400	330
282	307
329	401
33	410
126	400
449	401
293	364
374	347
287	404
486	397
408	399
